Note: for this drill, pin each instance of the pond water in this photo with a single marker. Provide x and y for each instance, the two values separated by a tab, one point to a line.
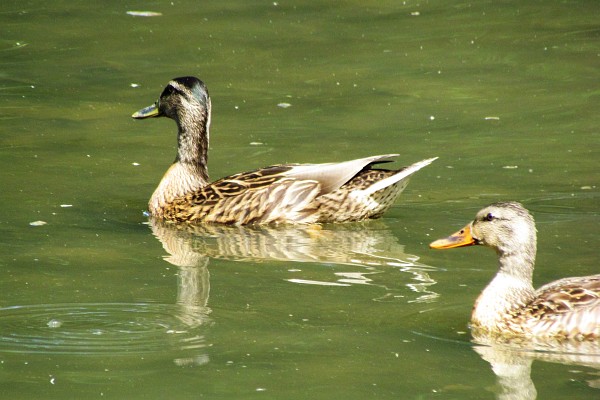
98	302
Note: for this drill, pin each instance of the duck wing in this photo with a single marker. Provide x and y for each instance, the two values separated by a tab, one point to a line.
331	176
569	305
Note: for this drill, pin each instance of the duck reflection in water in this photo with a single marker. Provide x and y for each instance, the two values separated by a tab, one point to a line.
511	362
368	245
365	245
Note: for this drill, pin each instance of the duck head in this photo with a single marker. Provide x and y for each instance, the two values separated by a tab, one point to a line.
506	227
181	97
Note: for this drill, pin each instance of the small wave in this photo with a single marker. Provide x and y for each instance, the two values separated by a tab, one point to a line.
100	328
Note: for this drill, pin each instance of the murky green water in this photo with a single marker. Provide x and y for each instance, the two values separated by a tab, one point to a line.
97	303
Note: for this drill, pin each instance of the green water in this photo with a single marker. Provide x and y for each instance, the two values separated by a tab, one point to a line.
97	303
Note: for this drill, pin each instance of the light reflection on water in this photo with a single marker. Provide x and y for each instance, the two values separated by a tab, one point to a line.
369	246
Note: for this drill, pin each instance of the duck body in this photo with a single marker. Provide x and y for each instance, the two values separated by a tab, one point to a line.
288	193
509	306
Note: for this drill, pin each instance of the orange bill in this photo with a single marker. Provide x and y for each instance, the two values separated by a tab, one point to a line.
458	239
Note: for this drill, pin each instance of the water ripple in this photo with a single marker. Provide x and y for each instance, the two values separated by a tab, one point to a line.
101	328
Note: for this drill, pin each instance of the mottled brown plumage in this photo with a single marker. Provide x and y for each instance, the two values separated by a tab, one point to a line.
292	193
568	308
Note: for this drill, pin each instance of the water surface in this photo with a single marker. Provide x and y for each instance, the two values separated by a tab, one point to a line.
97	301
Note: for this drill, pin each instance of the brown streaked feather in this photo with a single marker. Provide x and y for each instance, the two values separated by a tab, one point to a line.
280	201
349	203
237	184
567	307
367	177
567	295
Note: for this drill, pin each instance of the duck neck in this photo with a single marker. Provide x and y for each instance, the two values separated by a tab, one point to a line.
189	172
510	290
192	140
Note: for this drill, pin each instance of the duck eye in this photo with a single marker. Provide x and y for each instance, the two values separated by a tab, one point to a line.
489	217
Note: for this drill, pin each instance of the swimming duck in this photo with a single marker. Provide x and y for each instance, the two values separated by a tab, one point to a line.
568	308
288	193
